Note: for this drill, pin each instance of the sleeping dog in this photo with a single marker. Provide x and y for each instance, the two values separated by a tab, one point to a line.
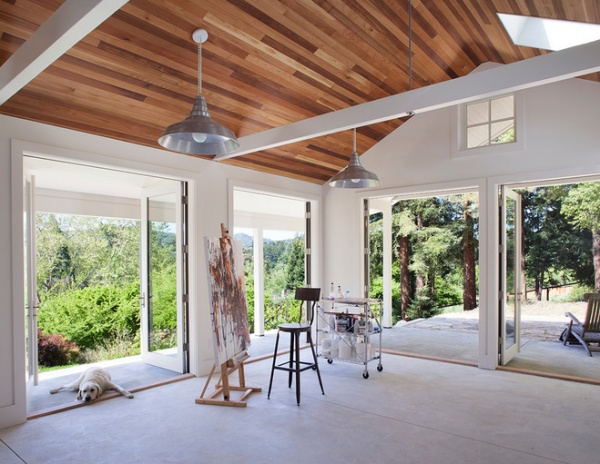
91	384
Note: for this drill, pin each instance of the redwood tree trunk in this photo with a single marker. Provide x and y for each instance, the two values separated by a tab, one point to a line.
469	287
420	278
538	294
404	275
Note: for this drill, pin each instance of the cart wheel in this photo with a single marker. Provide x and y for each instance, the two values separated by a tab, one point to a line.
380	368
330	361
365	375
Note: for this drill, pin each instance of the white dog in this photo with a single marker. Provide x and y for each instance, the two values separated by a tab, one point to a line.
91	384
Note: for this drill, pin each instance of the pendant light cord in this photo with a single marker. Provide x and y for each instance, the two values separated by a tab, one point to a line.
199	69
355	140
410	83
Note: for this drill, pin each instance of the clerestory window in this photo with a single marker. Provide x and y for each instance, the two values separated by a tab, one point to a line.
490	122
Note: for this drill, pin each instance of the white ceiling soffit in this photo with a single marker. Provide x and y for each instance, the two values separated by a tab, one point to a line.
272	205
548	34
539	70
72	177
268	212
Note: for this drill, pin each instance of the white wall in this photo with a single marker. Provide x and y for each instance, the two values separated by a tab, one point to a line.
561	139
208	188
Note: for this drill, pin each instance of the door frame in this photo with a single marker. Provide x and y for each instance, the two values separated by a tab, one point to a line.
20	150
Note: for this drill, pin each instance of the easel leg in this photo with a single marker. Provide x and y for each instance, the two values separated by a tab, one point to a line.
225	381
224	388
212	371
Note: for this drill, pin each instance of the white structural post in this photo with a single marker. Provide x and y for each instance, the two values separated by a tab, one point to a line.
259	287
387	265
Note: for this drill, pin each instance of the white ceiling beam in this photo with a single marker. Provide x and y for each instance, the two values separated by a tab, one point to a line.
73	20
540	70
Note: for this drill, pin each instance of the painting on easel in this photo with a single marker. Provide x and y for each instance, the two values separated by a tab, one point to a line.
231	334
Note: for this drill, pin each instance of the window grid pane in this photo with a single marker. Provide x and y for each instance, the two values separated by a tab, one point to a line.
503	108
478	113
478	136
502	132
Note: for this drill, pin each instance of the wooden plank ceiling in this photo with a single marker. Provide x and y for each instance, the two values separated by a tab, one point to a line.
266	64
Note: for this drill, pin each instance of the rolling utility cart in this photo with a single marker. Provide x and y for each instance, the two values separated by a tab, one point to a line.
349	330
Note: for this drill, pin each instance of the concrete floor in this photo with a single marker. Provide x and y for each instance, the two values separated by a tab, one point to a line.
414	411
541	357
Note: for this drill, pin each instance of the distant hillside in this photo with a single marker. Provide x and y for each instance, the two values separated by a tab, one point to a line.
248	241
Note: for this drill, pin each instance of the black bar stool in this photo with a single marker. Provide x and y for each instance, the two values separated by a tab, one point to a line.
294	365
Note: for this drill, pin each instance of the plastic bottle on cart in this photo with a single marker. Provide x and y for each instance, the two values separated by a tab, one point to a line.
340	295
331	292
332	323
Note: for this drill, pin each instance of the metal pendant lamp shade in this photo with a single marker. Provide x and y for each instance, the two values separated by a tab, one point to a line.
199	134
354	176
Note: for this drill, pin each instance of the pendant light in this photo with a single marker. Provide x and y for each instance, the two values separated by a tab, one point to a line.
354	175
199	134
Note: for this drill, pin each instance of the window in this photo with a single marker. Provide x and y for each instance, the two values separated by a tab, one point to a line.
490	122
549	34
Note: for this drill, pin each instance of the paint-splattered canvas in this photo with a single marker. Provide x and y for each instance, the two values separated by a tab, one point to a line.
231	334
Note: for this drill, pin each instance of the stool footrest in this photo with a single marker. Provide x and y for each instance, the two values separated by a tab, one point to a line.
291	366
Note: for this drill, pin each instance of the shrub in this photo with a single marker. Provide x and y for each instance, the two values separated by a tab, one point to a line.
280	309
92	316
55	350
576	294
121	347
447	292
376	291
421	306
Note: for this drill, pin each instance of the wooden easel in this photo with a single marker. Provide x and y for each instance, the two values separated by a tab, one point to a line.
222	393
223	387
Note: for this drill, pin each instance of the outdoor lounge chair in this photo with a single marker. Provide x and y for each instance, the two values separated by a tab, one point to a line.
589	331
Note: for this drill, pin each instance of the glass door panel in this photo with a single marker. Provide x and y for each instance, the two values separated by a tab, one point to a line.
510	292
161	293
31	300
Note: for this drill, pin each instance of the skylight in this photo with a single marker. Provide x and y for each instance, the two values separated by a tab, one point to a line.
549	34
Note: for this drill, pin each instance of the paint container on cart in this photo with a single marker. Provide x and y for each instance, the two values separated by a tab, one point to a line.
335	348
326	346
345	348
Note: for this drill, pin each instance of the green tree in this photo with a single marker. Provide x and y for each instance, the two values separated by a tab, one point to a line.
555	251
294	267
582	207
88	279
54	263
403	223
435	243
83	251
469	206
